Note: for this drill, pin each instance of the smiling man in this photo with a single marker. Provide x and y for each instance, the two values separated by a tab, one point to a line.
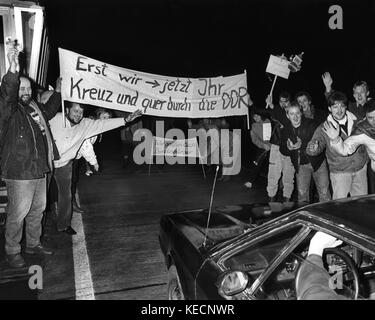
364	134
69	139
347	173
27	152
294	139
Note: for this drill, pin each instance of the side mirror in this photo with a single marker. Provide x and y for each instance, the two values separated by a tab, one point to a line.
232	283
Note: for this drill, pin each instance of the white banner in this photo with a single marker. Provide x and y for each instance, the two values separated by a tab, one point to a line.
93	82
176	148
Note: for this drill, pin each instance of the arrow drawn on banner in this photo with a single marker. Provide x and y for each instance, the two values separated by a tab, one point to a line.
155	83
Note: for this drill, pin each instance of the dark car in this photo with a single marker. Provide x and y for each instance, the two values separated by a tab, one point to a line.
255	251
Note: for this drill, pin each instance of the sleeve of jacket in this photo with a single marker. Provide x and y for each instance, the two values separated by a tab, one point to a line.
8	95
312	126
318	136
52	106
87	151
349	146
328	94
94	127
313	281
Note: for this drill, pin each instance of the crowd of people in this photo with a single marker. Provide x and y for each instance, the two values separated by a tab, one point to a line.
40	149
332	149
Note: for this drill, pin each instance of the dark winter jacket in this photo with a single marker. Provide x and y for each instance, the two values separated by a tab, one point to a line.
305	132
279	120
23	147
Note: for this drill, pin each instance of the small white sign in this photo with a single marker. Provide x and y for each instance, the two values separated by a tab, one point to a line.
278	67
267	130
176	148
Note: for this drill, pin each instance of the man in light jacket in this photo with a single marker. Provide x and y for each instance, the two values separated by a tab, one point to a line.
68	141
348	174
364	134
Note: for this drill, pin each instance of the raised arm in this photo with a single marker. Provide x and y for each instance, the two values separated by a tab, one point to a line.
10	82
350	145
53	105
327	81
9	90
94	127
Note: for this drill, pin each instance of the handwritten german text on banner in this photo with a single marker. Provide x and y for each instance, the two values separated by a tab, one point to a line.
93	82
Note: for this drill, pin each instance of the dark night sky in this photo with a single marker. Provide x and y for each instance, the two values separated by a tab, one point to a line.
207	38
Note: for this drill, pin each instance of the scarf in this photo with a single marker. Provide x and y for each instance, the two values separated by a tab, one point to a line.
48	134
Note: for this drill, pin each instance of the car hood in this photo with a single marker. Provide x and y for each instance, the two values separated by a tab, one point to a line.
227	222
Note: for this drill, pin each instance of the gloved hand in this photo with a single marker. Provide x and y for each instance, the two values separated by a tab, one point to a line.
320	241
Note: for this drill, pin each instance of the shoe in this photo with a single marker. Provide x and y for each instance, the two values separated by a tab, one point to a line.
15	260
286	199
39	249
89	173
69	231
76	208
272	199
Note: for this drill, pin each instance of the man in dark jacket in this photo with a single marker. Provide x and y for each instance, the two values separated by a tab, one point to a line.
279	165
294	139
27	154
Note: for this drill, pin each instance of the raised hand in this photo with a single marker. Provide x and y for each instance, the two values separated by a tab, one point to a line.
269	102
133	115
294	146
298	144
330	130
320	241
327	80
13	58
313	146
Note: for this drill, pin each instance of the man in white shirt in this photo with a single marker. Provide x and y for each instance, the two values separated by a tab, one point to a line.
68	141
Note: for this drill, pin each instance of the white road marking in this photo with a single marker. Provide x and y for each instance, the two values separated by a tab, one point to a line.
82	271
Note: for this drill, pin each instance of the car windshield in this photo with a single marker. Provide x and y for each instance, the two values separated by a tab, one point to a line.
257	257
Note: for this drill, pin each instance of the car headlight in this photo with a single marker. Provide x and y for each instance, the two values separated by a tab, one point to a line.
233	283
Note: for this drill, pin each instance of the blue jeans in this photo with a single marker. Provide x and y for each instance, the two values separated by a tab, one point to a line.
26	202
63	178
321	179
